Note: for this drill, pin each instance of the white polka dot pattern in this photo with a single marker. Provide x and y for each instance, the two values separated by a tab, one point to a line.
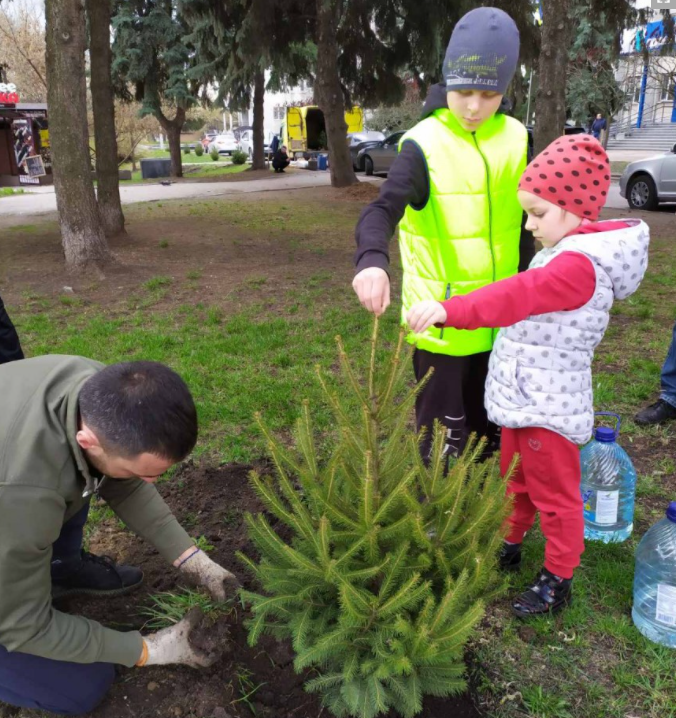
540	368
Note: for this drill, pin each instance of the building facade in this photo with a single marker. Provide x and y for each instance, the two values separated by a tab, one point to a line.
648	80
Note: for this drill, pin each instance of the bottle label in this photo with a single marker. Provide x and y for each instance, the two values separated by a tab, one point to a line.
607	503
666	604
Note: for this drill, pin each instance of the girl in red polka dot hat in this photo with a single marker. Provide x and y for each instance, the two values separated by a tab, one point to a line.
553	316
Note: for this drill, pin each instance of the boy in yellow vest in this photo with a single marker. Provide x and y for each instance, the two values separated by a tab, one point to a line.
452	190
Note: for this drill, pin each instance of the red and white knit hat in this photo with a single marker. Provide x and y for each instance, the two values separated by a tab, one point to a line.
573	173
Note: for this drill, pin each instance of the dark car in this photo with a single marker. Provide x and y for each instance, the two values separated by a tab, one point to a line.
358	141
379	158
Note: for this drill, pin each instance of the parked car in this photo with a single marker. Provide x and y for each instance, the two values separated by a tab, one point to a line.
246	144
646	183
378	158
224	144
358	141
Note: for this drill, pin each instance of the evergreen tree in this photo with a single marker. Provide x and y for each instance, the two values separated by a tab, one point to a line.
237	42
376	566
592	87
152	51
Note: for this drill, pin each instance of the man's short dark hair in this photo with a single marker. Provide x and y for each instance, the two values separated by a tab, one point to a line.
140	407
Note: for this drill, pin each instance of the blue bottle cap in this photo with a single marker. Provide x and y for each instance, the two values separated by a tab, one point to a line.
671	512
604	433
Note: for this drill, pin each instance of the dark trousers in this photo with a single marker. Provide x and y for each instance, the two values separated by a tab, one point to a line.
454	396
668	378
66	550
56	686
10	348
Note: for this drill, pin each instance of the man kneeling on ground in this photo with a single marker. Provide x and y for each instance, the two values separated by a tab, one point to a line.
281	159
71	428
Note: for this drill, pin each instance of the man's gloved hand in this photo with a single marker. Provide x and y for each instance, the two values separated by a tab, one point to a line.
172	645
201	570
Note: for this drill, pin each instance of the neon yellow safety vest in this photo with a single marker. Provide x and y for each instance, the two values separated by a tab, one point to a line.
467	235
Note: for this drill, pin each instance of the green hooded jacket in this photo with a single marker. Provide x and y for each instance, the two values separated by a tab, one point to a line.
44	481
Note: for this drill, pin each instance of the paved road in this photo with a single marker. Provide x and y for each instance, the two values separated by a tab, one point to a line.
615	201
42	200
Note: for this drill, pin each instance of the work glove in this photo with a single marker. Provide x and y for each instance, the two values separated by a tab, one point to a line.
172	645
200	570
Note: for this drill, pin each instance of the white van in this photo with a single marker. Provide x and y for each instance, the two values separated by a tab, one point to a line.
246	144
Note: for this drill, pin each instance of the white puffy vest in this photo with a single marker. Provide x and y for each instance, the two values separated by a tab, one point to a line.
540	369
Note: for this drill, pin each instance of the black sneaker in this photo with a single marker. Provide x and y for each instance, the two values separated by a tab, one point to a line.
549	594
97	576
510	557
656	413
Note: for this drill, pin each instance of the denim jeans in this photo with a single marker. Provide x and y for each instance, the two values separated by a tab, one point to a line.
668	378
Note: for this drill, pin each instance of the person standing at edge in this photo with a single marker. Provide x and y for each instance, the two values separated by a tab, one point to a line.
453	186
10	347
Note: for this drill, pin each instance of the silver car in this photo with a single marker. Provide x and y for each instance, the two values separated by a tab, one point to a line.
379	158
646	183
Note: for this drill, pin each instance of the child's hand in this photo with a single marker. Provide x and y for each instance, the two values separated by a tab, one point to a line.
423	315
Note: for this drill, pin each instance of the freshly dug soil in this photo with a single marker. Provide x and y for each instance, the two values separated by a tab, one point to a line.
247	682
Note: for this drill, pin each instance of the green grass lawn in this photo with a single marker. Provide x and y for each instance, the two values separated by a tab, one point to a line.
588	662
189	157
204	170
10	191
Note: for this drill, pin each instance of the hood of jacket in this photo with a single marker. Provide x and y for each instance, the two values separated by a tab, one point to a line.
623	253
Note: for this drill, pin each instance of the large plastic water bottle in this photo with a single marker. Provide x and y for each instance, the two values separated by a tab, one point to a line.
608	487
654	610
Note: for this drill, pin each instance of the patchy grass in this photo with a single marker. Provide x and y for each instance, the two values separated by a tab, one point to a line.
618	167
258	350
213	169
168	608
10	191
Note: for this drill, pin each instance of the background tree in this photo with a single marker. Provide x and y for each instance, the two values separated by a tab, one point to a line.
395	118
379	43
22	48
152	51
240	42
84	242
131	129
550	107
591	84
103	105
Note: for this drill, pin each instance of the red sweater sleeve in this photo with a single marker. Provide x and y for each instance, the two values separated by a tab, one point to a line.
567	282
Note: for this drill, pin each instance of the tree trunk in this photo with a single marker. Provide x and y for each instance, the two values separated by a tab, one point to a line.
108	194
330	94
84	243
173	129
258	119
550	107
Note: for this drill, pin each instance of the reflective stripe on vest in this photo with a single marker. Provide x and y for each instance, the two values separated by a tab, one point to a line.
467	235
